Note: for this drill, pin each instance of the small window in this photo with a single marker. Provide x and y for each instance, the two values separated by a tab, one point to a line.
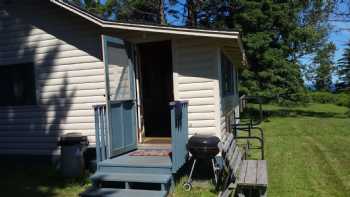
17	83
227	76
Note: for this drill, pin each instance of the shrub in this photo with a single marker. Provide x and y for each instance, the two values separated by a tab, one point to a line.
341	99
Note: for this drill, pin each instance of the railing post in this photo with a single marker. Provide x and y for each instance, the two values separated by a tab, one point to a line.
100	132
179	133
97	134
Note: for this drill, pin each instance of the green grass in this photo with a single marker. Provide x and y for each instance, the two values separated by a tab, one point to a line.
307	149
309	154
36	179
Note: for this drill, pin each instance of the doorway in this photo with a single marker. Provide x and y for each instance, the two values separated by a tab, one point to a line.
156	89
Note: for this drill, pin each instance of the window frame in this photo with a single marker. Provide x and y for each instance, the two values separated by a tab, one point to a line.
225	64
30	73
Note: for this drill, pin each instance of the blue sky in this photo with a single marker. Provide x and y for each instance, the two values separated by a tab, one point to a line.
340	36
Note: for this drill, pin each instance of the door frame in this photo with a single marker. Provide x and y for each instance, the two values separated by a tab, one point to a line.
138	79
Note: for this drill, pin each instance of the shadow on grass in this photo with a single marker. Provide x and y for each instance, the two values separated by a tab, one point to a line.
28	176
203	178
292	112
296	112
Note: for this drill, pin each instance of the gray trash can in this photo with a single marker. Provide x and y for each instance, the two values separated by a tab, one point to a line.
72	147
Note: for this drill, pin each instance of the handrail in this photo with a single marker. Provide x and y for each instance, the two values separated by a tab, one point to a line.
232	125
101	131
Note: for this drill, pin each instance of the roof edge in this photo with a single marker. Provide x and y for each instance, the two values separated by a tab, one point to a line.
148	28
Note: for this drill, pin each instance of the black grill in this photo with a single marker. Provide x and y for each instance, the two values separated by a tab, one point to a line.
203	146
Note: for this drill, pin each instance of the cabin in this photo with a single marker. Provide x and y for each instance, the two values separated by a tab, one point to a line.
137	91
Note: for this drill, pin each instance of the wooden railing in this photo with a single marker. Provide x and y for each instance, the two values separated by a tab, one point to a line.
101	132
179	133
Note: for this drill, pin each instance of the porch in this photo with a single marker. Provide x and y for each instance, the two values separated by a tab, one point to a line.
143	169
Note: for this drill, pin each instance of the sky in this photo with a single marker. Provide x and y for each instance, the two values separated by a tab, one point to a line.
340	35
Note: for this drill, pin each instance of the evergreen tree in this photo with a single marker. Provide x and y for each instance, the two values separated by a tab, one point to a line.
275	35
139	11
325	67
344	66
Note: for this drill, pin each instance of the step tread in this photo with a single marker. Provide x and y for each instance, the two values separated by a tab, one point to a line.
112	192
131	177
138	161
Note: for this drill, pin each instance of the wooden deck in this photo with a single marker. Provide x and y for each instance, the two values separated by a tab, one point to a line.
139	161
154	171
137	164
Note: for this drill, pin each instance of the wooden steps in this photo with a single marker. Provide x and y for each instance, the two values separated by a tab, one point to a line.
112	192
128	175
136	164
132	177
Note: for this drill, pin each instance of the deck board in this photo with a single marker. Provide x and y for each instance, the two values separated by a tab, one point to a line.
138	161
132	177
111	192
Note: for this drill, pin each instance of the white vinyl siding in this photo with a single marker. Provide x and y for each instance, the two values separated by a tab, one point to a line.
196	80
65	51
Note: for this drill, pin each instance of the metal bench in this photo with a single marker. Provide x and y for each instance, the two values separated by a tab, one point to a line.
239	176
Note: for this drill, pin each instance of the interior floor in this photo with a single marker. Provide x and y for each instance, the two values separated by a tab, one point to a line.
156	89
157	140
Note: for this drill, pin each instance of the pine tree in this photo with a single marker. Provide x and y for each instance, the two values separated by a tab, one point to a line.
344	66
275	35
325	67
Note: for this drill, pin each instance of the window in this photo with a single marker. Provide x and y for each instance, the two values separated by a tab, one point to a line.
227	77
17	83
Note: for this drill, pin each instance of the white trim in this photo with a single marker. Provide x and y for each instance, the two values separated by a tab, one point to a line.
174	65
148	28
217	94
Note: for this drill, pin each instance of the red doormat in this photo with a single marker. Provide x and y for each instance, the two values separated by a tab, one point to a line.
151	152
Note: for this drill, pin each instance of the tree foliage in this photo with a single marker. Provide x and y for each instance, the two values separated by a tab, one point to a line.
325	67
344	66
139	11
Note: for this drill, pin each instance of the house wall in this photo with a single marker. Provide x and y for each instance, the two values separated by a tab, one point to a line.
230	102
196	79
65	50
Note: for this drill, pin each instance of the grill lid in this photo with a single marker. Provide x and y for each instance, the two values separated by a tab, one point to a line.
203	146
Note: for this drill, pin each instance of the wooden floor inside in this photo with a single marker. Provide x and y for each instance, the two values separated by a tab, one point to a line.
156	140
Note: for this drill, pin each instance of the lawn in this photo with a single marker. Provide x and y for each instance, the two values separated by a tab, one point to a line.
309	153
307	149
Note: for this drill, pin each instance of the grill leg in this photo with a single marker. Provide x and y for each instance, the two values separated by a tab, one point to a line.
187	186
192	169
214	170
